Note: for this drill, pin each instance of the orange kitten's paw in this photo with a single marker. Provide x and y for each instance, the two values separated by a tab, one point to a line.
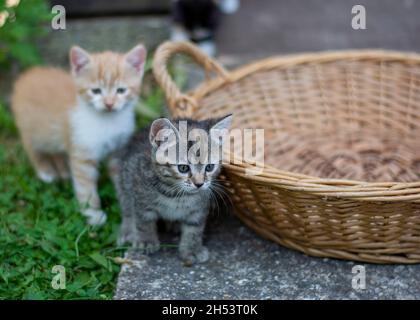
46	177
95	217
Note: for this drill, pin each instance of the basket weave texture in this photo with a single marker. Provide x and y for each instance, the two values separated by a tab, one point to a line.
341	171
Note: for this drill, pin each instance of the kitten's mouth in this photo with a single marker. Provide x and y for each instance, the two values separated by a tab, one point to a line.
108	110
191	190
198	190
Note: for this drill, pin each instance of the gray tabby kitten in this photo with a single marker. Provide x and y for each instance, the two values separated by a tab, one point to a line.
149	190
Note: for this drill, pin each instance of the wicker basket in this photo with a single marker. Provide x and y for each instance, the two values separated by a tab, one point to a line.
320	101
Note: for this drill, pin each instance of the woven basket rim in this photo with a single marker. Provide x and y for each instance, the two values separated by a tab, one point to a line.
331	188
369	191
288	60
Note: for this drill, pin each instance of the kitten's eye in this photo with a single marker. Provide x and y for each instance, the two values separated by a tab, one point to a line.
121	90
96	90
183	168
209	167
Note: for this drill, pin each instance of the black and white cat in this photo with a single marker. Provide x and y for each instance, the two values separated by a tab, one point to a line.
198	20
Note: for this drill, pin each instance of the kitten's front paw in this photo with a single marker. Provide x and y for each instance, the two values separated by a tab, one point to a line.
46	177
147	247
95	217
199	255
127	235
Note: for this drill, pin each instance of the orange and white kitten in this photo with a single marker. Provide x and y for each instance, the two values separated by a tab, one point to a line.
69	123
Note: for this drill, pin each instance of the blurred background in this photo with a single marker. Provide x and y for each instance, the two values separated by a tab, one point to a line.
253	29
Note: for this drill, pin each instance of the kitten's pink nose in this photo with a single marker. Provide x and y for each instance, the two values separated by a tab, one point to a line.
109	102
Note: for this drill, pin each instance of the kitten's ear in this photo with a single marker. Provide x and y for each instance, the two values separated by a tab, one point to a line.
224	123
159	130
136	58
79	59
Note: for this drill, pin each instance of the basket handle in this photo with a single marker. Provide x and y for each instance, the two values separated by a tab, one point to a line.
178	101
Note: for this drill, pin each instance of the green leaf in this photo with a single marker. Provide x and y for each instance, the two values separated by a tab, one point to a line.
25	53
79	282
33	293
4	276
25	24
100	259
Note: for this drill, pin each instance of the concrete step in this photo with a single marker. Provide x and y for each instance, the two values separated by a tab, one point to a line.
244	266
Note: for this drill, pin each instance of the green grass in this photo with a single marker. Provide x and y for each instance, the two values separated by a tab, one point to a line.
40	227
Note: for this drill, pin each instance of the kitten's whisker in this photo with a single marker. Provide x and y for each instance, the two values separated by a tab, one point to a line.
180	193
220	196
217	195
223	192
213	198
174	187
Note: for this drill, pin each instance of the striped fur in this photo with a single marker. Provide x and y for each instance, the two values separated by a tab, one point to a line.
149	190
